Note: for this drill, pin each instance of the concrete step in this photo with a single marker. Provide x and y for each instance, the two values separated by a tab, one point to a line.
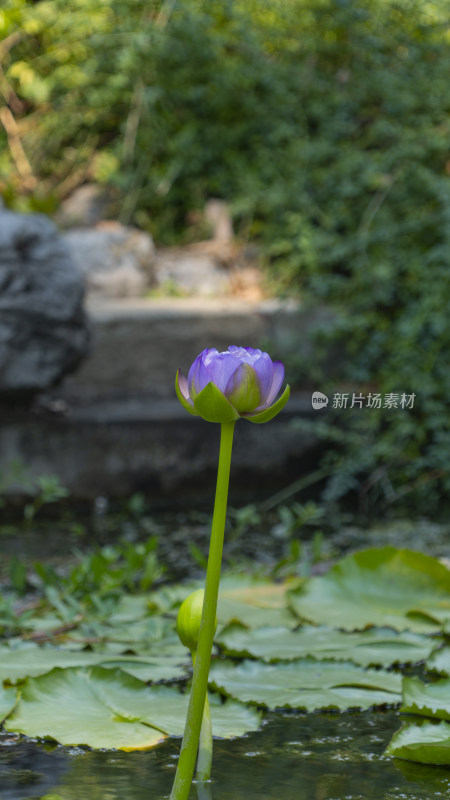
152	446
138	345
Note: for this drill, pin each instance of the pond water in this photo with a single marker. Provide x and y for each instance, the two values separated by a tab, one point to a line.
292	757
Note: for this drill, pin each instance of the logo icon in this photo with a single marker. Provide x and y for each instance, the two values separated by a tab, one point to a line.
319	400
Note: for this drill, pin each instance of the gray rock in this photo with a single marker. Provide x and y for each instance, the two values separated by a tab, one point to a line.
43	327
115	260
217	215
87	205
190	271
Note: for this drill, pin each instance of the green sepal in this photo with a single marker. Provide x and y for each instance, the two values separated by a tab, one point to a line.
185	403
213	406
246	393
272	411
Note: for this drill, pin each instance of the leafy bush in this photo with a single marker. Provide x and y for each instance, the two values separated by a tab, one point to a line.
324	124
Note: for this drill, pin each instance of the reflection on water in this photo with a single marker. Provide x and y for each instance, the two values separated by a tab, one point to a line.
293	757
204	791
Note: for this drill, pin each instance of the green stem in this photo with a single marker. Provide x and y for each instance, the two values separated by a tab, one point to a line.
205	747
189	747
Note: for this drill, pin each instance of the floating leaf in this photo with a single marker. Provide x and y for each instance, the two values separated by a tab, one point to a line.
376	646
69	706
258	592
426	699
8	699
253	602
106	708
132	607
232	611
386	586
439	661
426	743
306	684
31	660
232	718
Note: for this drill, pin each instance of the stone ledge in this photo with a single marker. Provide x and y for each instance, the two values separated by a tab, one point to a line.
156	448
139	344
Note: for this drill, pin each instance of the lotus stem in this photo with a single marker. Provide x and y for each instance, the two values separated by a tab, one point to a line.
190	744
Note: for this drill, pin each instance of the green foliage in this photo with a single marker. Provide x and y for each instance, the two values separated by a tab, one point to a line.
324	124
107	570
44	490
47	489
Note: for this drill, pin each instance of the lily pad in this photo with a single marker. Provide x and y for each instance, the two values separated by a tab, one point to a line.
106	708
31	660
426	743
68	705
374	647
426	699
253	602
439	661
8	699
306	684
386	586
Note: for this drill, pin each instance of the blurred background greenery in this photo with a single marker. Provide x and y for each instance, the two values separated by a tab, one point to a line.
324	124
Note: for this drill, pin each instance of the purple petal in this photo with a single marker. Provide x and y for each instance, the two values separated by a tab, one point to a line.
247	355
183	385
264	372
220	367
197	378
278	377
211	367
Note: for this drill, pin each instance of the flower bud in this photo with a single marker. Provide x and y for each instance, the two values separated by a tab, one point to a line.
189	619
238	382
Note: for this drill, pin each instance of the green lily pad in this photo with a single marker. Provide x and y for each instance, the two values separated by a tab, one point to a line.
31	660
426	743
373	647
8	699
107	708
426	699
439	661
69	705
306	684
131	607
231	611
401	589
232	718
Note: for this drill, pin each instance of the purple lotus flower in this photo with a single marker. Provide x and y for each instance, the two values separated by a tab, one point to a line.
238	382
